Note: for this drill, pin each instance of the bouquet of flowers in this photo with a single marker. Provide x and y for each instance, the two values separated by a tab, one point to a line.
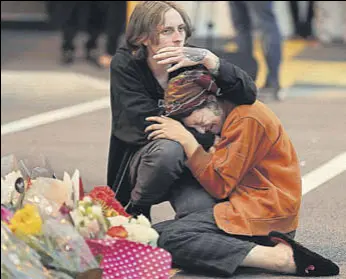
100	215
58	244
76	235
18	260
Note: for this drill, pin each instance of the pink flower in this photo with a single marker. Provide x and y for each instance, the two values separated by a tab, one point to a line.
6	214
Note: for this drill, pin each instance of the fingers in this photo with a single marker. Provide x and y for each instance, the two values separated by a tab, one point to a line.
168	49
170	60
153	127
156	135
175	67
167	54
158	119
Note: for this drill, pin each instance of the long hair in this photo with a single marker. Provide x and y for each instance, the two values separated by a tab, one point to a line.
145	19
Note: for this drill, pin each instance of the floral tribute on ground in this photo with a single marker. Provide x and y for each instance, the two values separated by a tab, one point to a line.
50	228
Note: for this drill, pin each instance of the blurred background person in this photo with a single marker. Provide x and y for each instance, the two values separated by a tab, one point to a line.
114	29
302	23
271	39
73	17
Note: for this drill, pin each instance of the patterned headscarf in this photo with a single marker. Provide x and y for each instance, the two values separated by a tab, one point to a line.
188	90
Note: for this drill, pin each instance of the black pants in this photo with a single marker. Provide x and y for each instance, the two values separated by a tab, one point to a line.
154	169
194	240
86	15
302	26
115	24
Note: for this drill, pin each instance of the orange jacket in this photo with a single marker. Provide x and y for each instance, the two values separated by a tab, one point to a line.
256	169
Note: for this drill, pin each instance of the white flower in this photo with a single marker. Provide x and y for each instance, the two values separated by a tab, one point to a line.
142	220
81	209
118	220
87	200
141	234
96	211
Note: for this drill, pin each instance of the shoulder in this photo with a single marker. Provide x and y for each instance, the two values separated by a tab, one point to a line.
257	114
125	62
122	57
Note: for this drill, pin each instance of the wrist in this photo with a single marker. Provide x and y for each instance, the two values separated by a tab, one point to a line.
212	63
190	145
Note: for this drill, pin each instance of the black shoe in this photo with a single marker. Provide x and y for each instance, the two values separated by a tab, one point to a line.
136	210
67	57
308	263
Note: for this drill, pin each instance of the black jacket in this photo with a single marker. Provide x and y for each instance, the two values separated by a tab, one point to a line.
135	95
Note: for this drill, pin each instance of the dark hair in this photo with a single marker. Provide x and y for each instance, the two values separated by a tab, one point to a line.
144	20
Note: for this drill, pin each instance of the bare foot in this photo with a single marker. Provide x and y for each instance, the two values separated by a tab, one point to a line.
285	261
278	258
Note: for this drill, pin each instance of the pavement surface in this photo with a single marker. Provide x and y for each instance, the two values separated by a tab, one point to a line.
63	113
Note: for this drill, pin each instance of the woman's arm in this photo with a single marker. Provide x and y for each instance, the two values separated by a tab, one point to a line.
236	85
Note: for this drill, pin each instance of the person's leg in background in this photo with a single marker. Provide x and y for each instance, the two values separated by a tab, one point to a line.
114	29
271	41
294	8
308	32
69	29
94	27
242	24
152	171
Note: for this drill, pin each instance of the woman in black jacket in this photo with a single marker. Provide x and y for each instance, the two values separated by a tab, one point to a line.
140	171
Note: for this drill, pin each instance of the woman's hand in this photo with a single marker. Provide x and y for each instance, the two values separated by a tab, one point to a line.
186	56
168	128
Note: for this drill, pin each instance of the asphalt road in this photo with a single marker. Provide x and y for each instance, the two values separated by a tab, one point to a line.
33	82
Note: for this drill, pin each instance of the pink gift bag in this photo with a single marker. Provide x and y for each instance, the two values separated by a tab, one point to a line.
124	259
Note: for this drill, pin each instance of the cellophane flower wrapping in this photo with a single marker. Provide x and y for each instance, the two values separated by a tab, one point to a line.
19	260
54	239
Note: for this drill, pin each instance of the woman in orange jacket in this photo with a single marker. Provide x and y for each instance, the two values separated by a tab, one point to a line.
244	212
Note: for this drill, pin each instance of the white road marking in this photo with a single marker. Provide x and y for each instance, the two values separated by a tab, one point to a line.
324	173
54	115
46	77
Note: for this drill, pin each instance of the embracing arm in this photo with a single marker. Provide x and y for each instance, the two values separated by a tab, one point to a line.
236	85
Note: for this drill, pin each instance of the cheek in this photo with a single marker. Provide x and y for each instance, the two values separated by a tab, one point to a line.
165	42
217	124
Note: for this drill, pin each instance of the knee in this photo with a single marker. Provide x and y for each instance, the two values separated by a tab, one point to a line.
167	152
172	236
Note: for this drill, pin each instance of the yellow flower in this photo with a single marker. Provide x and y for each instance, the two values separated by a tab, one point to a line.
26	221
